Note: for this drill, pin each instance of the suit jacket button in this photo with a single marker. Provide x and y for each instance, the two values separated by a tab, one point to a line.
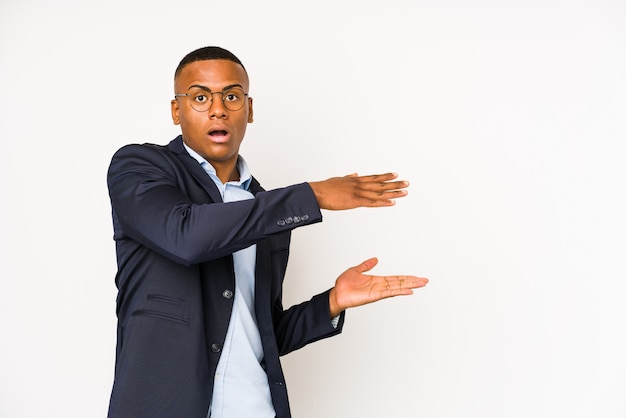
289	220
227	294
216	348
281	222
305	217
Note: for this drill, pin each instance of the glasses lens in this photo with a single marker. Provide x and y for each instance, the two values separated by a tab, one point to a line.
234	98
200	99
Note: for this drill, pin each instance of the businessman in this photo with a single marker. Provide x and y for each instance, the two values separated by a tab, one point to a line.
202	251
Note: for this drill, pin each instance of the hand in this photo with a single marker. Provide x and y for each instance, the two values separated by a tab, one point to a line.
353	288
353	191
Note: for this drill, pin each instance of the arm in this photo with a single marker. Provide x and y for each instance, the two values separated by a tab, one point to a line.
150	195
304	323
151	206
310	321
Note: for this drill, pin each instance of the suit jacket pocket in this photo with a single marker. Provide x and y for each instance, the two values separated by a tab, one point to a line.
181	319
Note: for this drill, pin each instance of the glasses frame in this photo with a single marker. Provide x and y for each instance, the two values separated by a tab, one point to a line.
210	94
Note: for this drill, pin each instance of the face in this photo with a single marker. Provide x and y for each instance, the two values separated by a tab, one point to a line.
217	133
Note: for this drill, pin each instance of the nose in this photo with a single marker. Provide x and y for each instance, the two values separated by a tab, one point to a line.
217	108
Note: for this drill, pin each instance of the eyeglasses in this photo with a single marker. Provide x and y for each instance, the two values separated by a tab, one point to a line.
233	98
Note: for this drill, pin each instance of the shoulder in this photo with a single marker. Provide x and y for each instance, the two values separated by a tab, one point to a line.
145	159
174	148
152	154
140	150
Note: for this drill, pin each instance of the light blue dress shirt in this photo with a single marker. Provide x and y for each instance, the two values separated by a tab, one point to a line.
240	388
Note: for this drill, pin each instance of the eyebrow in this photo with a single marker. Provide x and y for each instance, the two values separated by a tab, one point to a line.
200	86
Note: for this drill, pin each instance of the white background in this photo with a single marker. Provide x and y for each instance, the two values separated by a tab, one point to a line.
508	118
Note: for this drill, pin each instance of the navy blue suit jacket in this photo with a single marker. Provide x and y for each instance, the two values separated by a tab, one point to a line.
174	239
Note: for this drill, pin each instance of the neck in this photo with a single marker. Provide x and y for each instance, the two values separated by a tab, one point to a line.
226	174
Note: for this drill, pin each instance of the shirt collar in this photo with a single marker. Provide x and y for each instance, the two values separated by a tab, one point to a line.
245	178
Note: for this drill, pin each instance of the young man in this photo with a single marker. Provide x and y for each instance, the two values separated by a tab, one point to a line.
202	251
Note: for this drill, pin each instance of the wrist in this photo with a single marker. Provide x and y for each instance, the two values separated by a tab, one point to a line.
335	309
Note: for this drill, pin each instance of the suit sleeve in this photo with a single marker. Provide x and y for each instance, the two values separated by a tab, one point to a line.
304	323
151	207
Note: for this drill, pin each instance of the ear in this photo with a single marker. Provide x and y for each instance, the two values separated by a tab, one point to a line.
250	111
175	112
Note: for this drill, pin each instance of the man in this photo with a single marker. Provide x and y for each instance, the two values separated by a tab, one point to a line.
202	251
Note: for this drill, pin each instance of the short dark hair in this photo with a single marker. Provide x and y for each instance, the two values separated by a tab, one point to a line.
207	53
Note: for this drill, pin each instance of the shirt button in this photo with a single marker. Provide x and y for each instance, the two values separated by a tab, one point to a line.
216	348
227	294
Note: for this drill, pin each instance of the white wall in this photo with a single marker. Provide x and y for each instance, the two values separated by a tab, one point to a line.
506	116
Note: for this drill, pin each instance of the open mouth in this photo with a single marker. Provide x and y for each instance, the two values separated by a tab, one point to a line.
219	135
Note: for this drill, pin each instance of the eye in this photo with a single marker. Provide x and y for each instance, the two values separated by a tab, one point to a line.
200	98
231	97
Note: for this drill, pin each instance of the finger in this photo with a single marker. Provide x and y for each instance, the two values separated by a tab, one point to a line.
394	185
383	194
401	282
380	186
382	191
414	283
377	185
380	199
397	292
411	282
392	292
367	265
380	177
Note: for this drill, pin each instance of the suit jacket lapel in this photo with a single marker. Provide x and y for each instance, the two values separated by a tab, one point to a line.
176	146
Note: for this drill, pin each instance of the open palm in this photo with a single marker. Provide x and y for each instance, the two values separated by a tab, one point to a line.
353	288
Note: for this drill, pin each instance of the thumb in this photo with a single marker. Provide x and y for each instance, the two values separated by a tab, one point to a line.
367	265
